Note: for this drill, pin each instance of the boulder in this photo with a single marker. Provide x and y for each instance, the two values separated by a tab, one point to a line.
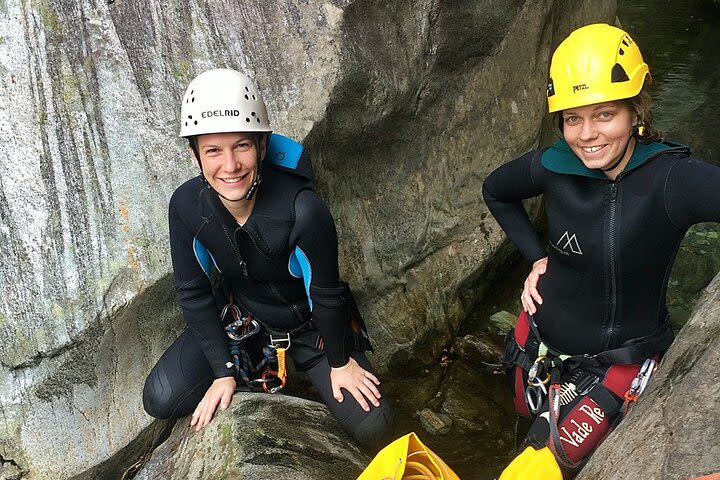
672	433
259	436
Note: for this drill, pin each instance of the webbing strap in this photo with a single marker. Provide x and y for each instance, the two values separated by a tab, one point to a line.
635	350
639	349
604	399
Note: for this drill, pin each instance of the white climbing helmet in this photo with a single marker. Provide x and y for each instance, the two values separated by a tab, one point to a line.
222	100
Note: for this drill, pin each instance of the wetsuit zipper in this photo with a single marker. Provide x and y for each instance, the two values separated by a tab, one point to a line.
612	240
613	273
236	251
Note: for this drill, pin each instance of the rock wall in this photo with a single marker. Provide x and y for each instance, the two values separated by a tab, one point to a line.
406	105
424	109
672	433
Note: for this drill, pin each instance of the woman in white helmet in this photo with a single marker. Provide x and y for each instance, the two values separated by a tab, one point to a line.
254	252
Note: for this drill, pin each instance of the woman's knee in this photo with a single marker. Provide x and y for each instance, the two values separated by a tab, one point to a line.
158	395
374	429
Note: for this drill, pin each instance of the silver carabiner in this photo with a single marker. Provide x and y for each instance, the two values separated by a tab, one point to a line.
534	396
253	329
236	313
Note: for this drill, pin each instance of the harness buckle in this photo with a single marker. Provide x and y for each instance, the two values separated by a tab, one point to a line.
281	341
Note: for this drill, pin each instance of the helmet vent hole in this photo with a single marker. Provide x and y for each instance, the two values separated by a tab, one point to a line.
246	97
195	122
621	51
254	97
253	114
247	119
186	124
192	91
625	42
619	74
247	89
192	99
190	117
258	119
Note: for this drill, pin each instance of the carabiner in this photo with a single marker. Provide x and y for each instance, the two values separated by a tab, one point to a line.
533	381
534	397
236	314
253	328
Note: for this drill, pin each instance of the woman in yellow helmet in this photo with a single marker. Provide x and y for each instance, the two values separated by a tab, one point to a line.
618	200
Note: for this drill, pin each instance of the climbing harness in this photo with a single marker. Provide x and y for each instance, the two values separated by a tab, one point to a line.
590	389
274	376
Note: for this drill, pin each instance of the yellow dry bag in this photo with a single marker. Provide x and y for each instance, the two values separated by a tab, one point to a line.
407	458
533	464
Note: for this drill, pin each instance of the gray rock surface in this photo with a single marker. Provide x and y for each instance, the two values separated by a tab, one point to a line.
259	436
406	106
673	432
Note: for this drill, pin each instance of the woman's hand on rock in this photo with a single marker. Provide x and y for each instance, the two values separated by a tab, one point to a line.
219	393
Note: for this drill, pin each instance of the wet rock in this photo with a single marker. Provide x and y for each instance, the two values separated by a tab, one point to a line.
259	436
503	321
483	421
697	262
672	432
435	423
478	351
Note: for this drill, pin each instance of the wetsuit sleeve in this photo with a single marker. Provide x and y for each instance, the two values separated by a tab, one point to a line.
315	241
692	193
504	190
195	297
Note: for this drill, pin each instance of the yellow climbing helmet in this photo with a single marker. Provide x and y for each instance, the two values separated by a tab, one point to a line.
533	464
595	63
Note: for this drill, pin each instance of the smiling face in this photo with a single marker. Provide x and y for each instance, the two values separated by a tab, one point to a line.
599	134
229	162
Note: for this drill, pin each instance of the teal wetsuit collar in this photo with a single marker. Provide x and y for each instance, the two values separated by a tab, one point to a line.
559	158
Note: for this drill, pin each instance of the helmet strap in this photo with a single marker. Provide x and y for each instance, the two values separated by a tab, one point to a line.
620	158
194	147
258	176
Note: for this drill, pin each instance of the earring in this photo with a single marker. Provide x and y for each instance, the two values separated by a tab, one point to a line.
641	129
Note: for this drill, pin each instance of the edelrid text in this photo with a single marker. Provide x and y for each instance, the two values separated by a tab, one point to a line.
220	113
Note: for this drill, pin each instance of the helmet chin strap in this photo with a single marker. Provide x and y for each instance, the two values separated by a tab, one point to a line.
258	177
620	158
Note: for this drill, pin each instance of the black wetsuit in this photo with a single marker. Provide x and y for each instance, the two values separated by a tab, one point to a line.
612	243
280	266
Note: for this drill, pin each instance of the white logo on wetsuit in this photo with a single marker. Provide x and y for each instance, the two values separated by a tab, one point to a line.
570	242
